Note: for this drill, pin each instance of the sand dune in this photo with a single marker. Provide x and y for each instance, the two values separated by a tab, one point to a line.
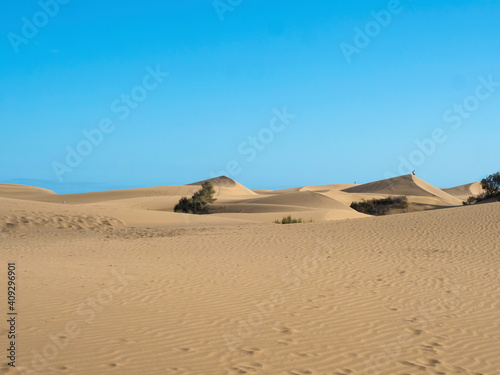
303	199
156	292
408	185
306	205
18	215
403	294
464	191
22	191
222	186
153	206
226	186
104	196
325	188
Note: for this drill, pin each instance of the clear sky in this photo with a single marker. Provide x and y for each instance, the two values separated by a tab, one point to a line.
107	95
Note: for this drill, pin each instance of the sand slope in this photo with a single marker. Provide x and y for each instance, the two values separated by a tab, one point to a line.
307	205
153	206
39	216
156	292
303	198
404	185
226	186
104	196
464	191
22	191
404	294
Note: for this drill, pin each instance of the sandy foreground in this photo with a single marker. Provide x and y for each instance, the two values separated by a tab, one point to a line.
116	283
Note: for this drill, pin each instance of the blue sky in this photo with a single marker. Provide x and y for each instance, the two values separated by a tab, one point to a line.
421	73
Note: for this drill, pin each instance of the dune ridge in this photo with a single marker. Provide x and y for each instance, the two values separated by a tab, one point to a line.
465	191
153	206
226	186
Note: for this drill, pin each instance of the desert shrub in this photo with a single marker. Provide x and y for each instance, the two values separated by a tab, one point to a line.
198	203
491	187
185	205
288	220
472	199
491	184
380	207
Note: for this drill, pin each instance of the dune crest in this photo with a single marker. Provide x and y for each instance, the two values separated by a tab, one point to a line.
19	191
409	185
226	186
465	191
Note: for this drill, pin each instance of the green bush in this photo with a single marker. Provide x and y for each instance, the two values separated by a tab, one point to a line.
379	207
198	203
491	187
185	205
289	220
491	184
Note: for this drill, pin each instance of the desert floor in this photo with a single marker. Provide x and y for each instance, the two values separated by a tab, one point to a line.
116	283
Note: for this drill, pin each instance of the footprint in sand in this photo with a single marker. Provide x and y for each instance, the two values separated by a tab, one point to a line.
411	364
250	350
345	371
284	330
301	372
303	355
254	368
184	349
414	331
286	341
431	347
429	362
311	307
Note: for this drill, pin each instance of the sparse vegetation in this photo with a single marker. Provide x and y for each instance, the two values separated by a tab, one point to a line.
198	203
289	220
380	207
491	187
